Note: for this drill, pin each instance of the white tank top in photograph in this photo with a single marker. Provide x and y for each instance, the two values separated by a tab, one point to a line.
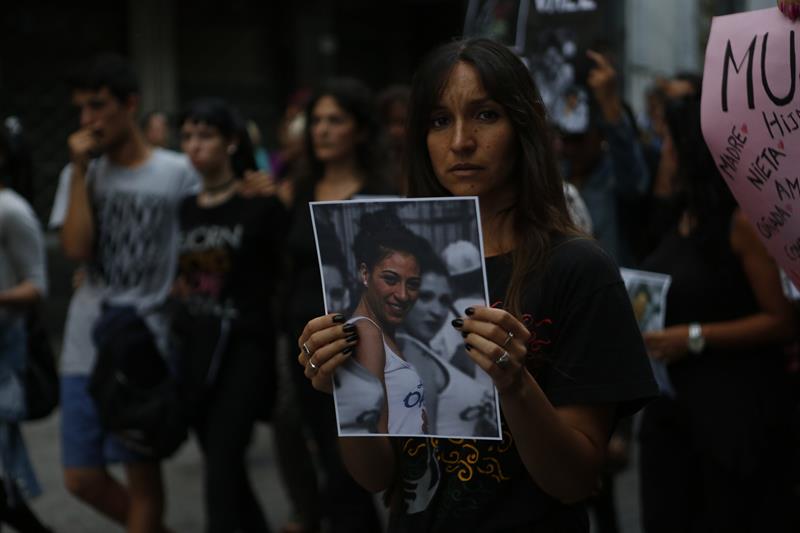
405	394
359	399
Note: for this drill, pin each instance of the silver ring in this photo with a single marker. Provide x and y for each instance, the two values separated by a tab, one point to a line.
312	365
509	338
503	360
307	351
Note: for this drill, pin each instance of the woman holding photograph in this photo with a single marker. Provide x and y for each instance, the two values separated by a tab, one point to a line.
560	341
390	270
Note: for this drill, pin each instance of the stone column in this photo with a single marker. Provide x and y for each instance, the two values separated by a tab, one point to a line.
151	40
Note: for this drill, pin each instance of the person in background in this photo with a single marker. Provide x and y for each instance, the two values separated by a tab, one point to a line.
393	114
156	130
463	262
131	262
225	284
713	456
338	285
286	161
456	404
602	157
17	161
23	283
261	155
343	156
660	210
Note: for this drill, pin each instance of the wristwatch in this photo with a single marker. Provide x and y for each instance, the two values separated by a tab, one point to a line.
696	342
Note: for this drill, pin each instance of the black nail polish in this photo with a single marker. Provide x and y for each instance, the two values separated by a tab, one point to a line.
349	328
464	334
468	347
469	311
457	322
348	350
351	338
338	319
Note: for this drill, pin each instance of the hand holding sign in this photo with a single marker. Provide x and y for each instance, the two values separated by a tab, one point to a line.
790	8
751	123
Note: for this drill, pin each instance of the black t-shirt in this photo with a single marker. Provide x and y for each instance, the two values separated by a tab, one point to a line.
585	348
229	257
304	297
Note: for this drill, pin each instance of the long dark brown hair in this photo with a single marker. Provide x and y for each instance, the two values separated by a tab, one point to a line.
540	210
356	99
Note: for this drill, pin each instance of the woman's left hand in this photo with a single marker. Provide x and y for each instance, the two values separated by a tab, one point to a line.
497	342
790	8
668	345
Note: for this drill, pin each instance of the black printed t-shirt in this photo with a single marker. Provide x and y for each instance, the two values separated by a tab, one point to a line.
585	348
229	257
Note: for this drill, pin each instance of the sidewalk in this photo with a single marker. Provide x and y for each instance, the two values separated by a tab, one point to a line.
184	486
183	478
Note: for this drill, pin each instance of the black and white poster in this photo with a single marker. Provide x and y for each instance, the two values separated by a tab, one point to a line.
648	293
551	37
402	270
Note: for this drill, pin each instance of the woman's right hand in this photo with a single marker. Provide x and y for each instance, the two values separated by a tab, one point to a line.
326	343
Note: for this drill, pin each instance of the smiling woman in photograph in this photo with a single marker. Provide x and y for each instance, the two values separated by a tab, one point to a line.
389	262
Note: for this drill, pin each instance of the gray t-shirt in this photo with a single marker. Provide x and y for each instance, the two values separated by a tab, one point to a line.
136	230
22	256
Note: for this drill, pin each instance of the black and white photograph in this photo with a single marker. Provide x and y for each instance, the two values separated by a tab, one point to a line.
505	21
405	269
648	294
551	37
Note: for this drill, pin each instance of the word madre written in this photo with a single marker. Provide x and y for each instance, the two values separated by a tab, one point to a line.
751	123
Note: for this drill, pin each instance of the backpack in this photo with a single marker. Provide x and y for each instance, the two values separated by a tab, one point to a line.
134	389
41	372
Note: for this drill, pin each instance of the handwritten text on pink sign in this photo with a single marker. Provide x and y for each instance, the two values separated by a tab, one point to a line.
751	123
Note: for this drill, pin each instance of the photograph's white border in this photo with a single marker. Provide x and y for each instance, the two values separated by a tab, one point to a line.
384	200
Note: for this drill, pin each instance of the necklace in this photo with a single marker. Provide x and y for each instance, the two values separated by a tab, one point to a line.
218	194
218	188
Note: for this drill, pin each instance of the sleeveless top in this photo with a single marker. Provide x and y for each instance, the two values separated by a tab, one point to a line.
734	397
405	394
359	399
467	407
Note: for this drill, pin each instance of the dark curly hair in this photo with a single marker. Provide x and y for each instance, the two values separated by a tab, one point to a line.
381	233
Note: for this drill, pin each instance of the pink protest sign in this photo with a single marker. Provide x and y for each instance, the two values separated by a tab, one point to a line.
751	123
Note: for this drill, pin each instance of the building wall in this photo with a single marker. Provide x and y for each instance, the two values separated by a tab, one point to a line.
660	41
664	38
40	43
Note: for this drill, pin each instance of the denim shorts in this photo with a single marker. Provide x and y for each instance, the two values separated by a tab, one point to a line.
84	443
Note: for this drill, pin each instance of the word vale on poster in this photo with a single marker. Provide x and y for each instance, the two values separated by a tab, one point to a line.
751	123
